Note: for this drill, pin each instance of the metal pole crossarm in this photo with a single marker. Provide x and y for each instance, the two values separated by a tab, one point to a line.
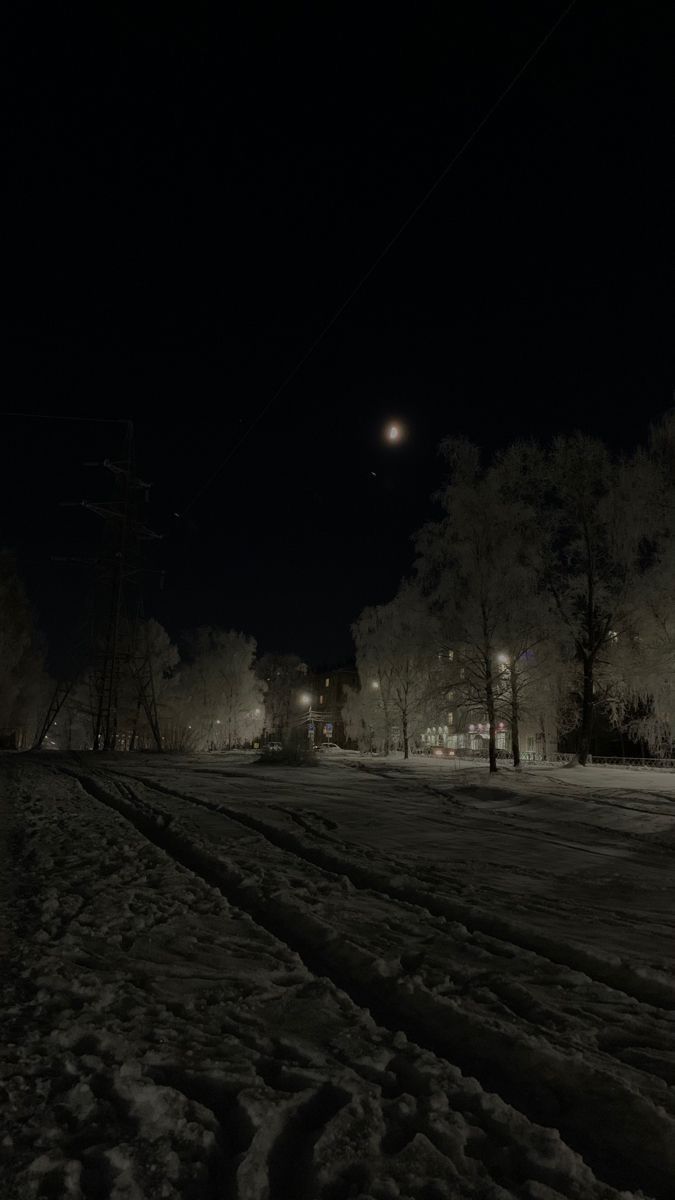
105	510
134	481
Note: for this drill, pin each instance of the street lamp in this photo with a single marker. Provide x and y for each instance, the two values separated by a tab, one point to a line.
305	698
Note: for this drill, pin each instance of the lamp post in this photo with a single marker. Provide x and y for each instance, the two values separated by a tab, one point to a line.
305	698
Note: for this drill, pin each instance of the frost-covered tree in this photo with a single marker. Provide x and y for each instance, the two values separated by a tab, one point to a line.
33	691
373	663
641	656
218	698
517	673
414	676
16	634
395	658
586	537
362	718
549	703
471	567
533	671
642	659
24	684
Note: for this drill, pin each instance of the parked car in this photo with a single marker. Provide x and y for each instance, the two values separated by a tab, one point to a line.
441	752
273	747
327	746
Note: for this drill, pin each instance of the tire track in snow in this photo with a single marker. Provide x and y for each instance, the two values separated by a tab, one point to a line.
277	1157
454	797
648	989
504	1157
531	1075
525	1007
514	997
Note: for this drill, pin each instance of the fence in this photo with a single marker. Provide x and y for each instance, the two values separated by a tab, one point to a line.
604	760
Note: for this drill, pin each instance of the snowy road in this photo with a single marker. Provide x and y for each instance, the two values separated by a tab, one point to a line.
372	980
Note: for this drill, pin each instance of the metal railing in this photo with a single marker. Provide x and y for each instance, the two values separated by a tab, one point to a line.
609	760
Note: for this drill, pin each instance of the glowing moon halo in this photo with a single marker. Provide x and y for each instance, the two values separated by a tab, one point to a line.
393	432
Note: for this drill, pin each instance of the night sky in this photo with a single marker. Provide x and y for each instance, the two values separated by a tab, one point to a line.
193	201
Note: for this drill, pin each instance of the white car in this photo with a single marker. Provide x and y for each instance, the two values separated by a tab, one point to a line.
328	746
273	747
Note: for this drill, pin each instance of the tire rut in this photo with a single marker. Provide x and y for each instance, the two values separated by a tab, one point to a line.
620	977
545	1086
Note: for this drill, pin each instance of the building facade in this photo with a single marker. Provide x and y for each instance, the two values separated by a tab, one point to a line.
470	738
329	688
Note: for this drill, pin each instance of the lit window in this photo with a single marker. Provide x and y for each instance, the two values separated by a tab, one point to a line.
450	718
320	699
451	655
328	683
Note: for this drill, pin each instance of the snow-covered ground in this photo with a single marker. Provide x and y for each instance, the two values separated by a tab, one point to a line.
367	978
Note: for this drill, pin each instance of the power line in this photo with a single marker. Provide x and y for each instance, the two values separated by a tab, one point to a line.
62	417
376	261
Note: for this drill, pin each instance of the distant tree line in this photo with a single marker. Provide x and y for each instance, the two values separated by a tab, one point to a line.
212	691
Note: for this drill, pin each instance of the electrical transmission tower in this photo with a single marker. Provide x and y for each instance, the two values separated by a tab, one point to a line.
120	664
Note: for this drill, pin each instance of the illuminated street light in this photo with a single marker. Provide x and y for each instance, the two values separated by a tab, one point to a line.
375	684
503	658
305	699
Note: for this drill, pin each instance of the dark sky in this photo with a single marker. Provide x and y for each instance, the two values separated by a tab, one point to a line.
192	200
